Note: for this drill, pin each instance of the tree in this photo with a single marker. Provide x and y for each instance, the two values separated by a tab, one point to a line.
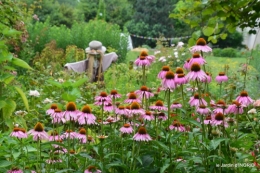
216	19
101	15
151	19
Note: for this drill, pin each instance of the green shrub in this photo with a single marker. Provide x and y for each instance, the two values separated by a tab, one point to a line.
80	35
226	52
217	52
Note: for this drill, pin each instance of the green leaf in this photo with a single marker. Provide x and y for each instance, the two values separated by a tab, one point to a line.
215	142
2	104
5	163
165	166
212	39
24	98
29	149
5	56
111	154
10	32
65	170
223	36
20	63
8	109
208	30
191	42
55	83
196	123
9	79
80	82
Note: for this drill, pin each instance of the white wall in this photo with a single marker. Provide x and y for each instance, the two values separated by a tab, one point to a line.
250	40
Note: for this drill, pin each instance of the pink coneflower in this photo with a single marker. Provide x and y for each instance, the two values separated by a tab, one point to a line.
86	116
235	108
192	89
144	59
38	132
208	120
120	110
52	109
178	70
168	82
142	135
71	113
59	149
126	129
187	64
19	133
219	119
82	135
54	136
220	107
15	170
162	116
132	98
144	92
110	120
53	161
244	99
196	101
57	116
176	125
221	77
256	103
109	107
176	105
201	45
69	134
135	108
158	106
102	99
92	169
180	79
196	73
114	94
163	72
147	116
197	58
208	79
203	110
90	139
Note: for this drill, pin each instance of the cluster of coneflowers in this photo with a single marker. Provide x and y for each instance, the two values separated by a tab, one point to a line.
135	112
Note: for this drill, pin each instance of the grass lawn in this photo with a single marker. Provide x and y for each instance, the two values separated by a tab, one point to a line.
214	66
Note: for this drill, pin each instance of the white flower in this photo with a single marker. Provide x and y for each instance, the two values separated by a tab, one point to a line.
162	59
47	100
252	111
172	45
157	52
176	54
60	80
34	93
180	44
183	54
169	56
20	112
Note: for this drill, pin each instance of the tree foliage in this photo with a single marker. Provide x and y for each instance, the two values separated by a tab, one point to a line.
216	19
151	19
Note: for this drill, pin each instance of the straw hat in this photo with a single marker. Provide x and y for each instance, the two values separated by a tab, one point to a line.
95	46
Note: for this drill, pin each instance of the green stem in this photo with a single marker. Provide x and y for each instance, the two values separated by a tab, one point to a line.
220	89
102	116
144	81
183	99
169	112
